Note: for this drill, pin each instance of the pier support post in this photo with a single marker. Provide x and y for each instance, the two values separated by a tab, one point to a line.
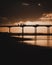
48	37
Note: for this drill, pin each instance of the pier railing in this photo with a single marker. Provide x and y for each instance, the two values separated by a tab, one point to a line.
32	34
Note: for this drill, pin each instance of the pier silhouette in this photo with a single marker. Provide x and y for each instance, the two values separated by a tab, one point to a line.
30	34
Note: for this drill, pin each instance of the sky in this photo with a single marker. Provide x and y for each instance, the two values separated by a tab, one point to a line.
11	10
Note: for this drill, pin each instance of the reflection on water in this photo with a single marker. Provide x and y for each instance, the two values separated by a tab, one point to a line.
50	42
50	37
50	29
31	42
38	40
41	37
41	42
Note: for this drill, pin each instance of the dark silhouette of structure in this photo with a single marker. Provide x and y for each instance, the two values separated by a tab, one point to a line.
32	34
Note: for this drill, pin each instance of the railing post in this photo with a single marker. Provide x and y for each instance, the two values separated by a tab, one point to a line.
35	27
48	32
9	29
22	32
35	36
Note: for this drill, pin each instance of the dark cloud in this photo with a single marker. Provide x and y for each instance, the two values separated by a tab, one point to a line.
31	9
25	4
4	20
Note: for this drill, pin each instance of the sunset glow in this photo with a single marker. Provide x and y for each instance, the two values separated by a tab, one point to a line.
29	23
41	40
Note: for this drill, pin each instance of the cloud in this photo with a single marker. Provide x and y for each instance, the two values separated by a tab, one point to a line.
25	4
4	19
